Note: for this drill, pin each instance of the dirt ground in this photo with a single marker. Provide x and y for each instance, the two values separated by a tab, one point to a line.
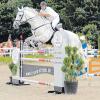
87	90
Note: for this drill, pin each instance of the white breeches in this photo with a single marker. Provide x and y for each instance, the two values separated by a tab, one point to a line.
55	22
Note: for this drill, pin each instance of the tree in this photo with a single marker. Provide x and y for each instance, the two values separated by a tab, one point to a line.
8	9
91	34
75	14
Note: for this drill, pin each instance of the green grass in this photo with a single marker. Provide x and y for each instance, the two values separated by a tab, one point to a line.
5	59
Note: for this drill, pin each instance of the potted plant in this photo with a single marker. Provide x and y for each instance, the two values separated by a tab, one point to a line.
13	68
73	64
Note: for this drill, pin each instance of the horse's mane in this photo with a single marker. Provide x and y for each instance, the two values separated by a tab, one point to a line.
34	11
30	9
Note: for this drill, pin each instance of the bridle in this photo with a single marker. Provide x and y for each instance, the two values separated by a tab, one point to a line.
20	18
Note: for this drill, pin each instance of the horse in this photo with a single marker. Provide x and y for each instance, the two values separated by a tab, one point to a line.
42	31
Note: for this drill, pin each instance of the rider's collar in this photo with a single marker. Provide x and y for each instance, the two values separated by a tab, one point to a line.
44	9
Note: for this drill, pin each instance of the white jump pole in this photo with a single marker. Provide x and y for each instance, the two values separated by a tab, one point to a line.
32	51
33	81
40	60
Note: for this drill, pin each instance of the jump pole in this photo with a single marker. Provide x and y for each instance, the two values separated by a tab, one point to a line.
32	51
34	81
21	55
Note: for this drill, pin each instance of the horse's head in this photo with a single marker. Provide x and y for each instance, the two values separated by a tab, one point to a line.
19	18
22	16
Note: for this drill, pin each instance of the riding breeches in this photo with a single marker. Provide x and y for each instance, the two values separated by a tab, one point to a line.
55	22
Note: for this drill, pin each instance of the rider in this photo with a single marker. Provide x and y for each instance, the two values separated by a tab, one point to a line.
50	14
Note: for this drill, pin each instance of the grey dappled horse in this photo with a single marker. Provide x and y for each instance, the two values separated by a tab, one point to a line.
42	30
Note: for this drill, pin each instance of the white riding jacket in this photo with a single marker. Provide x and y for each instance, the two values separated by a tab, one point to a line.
50	11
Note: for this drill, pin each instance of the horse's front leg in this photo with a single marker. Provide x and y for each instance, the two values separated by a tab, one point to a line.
32	42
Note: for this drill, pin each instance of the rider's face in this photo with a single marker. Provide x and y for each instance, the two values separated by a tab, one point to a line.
43	7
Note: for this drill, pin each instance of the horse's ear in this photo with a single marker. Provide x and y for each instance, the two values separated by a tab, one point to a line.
19	9
22	7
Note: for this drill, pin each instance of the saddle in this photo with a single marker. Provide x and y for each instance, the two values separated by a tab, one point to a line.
57	28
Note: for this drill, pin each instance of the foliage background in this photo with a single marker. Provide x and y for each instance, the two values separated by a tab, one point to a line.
76	15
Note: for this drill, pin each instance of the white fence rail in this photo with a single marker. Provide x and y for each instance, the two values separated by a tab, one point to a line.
6	51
